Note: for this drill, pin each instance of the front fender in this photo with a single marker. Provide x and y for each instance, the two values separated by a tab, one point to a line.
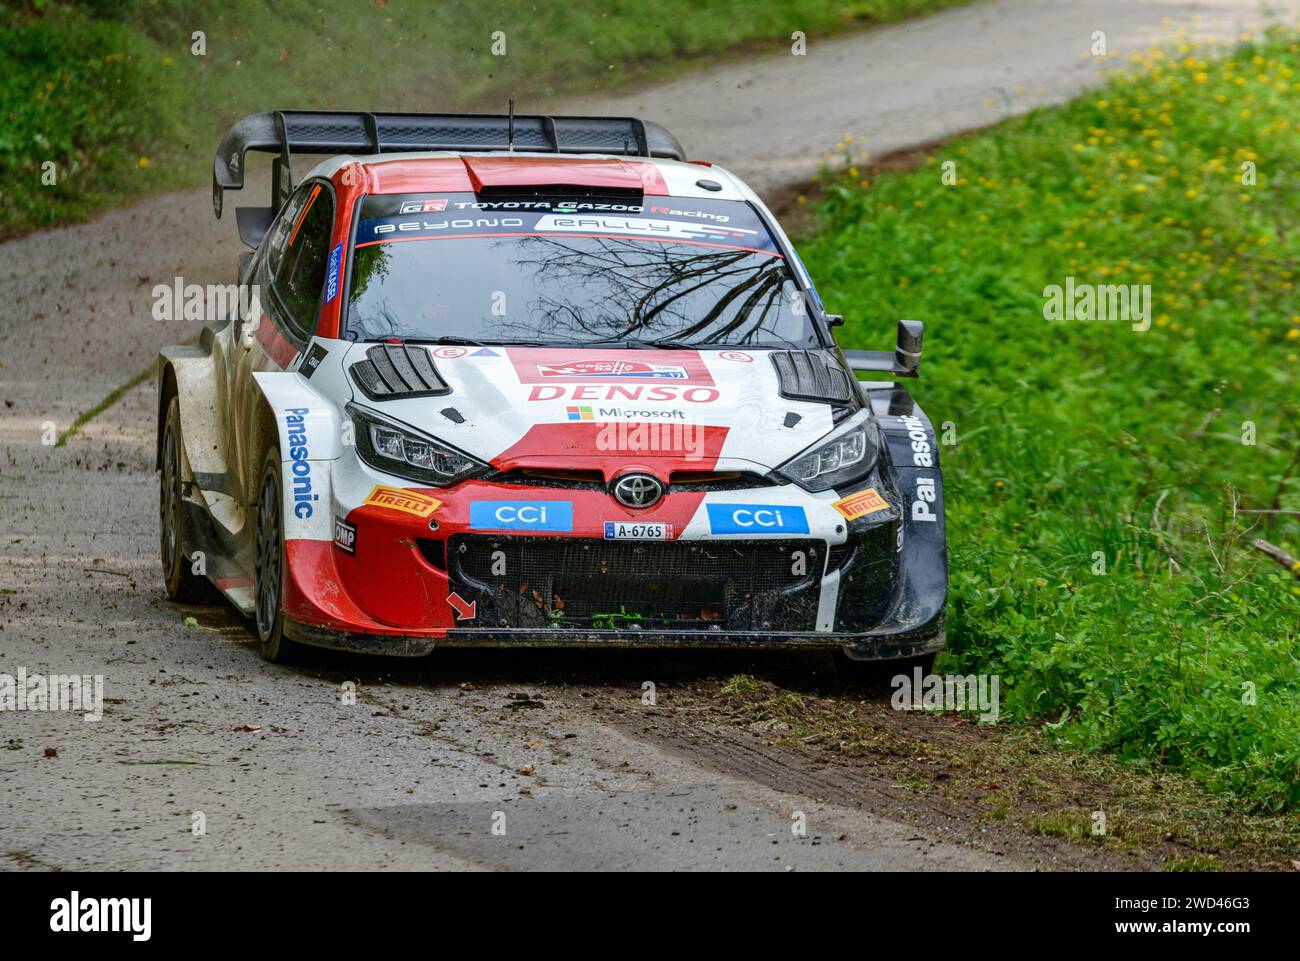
309	434
910	460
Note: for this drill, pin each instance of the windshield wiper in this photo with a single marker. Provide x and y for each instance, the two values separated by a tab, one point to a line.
632	344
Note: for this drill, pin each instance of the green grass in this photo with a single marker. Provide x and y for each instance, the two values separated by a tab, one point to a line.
1079	440
111	92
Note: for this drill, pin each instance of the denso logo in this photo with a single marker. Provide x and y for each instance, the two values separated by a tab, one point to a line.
757	519
612	368
691	395
521	515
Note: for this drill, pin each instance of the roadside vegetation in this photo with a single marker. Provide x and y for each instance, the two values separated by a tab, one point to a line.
112	92
1104	488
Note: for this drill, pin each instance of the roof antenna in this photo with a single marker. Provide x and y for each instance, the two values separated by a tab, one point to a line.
511	141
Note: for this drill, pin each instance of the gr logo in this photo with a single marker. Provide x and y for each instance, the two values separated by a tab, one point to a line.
757	519
521	516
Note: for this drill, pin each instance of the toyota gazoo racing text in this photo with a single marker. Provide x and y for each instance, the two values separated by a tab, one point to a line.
538	381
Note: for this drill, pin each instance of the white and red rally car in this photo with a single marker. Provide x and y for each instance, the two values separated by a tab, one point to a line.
538	381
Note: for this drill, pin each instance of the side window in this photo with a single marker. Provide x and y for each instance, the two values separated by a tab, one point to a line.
277	237
299	272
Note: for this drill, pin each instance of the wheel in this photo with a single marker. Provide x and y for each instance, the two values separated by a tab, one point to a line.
182	583
881	673
268	566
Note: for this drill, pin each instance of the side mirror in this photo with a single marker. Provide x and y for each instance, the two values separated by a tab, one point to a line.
903	361
834	320
907	351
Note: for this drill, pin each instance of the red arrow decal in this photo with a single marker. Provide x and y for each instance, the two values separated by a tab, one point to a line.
464	611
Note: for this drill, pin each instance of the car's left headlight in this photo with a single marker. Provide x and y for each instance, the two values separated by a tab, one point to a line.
841	457
396	449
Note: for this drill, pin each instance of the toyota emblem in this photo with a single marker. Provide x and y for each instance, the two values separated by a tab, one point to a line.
638	490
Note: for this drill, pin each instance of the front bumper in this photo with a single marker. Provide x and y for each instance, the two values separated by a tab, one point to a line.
873	587
528	565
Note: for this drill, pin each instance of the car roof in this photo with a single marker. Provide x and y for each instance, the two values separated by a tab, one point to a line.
453	172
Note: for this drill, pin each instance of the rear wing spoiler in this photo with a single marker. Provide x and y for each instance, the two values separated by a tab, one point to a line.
286	132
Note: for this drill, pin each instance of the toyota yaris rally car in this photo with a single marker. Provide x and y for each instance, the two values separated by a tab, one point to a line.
538	381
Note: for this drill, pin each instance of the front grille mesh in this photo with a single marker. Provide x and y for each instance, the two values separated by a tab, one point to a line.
630	585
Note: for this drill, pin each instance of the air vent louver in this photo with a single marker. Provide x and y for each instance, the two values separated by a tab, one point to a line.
392	371
811	375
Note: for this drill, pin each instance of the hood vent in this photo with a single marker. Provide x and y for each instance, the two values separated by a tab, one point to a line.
812	375
392	371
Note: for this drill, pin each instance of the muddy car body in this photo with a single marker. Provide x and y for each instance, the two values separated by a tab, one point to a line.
538	381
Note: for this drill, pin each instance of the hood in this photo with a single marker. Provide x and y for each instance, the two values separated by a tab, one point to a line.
612	409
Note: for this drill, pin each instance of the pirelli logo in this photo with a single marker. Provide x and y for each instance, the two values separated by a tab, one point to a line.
860	504
408	502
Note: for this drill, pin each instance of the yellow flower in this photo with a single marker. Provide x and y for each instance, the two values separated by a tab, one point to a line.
1293	333
143	162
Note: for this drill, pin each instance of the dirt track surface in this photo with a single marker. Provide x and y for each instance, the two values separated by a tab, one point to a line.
413	774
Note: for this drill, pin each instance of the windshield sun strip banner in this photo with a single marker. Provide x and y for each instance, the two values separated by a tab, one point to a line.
658	240
728	224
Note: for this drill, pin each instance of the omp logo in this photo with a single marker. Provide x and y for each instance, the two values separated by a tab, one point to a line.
299	462
345	536
861	504
643	392
612	368
73	915
756	519
521	515
408	502
424	206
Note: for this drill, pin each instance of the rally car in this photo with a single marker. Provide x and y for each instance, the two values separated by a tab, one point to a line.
537	381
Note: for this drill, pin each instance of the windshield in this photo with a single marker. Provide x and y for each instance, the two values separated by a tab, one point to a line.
452	267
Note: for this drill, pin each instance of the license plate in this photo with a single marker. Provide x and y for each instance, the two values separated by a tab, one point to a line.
632	531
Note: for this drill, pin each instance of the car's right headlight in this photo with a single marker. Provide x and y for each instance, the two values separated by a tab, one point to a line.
845	455
395	448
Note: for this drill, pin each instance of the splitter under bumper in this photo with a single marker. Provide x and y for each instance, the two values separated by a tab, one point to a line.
882	646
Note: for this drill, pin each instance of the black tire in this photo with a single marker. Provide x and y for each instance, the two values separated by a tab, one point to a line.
182	584
881	673
268	566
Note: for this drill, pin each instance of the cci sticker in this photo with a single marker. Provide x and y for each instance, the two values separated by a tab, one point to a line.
408	502
860	504
756	519
521	515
